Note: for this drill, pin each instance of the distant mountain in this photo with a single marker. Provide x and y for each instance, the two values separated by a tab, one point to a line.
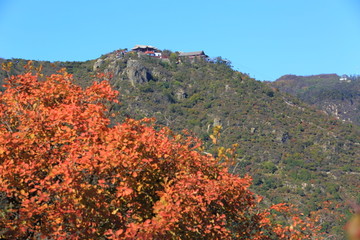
338	96
294	152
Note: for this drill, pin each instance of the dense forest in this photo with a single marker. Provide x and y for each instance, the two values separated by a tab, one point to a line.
294	152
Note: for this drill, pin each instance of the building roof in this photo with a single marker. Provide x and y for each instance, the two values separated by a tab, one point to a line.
143	46
188	54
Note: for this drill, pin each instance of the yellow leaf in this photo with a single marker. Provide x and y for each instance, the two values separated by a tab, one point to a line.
213	138
216	129
221	151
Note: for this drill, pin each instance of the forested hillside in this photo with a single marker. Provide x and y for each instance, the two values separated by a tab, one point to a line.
339	96
294	152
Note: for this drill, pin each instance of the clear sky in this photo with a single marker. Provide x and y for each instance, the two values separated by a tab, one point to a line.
265	38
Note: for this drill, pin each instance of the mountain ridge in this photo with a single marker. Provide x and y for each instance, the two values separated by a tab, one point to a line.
336	95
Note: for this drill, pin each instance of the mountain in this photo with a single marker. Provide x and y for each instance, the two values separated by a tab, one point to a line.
335	95
294	152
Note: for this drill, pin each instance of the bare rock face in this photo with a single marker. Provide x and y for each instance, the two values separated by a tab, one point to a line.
137	73
252	130
114	67
180	94
97	64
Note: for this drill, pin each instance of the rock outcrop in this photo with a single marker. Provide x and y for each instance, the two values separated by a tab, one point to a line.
97	64
137	73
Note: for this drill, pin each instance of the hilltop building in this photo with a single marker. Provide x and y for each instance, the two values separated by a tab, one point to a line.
193	55
156	53
344	78
144	48
147	50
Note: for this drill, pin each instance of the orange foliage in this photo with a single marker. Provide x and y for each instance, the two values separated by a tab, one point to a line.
66	174
353	227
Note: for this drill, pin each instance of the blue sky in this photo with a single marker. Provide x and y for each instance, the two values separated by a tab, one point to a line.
264	38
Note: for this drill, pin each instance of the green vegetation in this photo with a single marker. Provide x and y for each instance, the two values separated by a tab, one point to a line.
338	96
294	152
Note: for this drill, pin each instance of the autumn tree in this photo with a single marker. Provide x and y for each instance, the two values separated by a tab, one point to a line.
66	173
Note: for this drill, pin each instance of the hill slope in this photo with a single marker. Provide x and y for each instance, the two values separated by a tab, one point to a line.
337	96
294	152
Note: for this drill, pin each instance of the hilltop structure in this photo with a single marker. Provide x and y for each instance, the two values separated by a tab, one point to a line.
193	55
144	48
344	78
147	50
155	52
